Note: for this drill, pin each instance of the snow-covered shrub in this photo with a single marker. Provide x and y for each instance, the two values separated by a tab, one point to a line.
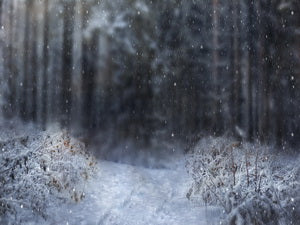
43	169
247	180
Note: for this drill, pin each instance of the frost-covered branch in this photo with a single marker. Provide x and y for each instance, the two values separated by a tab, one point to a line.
247	180
52	166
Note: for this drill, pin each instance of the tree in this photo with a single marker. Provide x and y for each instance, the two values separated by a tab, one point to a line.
45	63
68	8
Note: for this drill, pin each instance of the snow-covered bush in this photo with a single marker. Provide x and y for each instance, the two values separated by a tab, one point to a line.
42	169
247	180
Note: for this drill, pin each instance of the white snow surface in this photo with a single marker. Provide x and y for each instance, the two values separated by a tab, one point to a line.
121	194
124	194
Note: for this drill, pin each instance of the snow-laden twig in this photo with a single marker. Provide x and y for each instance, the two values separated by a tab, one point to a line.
51	166
245	180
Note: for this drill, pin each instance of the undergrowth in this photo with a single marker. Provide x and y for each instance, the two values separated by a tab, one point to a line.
250	183
40	170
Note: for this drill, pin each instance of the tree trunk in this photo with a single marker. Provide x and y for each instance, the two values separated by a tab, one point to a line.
236	91
76	109
69	11
34	71
88	70
45	63
10	64
216	119
26	57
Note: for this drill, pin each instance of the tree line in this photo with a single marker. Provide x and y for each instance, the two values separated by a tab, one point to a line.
154	69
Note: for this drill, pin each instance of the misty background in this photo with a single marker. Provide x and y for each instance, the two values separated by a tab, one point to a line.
148	70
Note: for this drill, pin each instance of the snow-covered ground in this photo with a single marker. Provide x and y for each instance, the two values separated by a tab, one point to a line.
123	194
49	177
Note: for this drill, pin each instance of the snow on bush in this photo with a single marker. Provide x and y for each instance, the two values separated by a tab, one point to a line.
40	170
251	184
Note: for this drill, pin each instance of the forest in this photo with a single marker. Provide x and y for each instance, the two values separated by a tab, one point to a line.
102	102
149	69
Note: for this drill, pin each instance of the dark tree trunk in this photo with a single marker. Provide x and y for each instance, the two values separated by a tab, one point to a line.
1	6
26	60
45	63
89	52
66	103
89	73
237	81
34	73
216	118
251	27
10	64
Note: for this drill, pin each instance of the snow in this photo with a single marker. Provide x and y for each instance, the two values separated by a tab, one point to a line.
49	177
125	194
253	183
120	193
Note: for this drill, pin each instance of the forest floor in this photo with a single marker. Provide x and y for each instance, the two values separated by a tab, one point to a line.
124	194
121	193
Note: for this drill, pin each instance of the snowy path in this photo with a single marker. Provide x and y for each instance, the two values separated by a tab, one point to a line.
124	194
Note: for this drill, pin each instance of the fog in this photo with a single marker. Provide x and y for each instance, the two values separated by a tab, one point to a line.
108	107
148	70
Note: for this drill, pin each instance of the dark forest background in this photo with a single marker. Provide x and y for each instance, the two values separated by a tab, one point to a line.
147	70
